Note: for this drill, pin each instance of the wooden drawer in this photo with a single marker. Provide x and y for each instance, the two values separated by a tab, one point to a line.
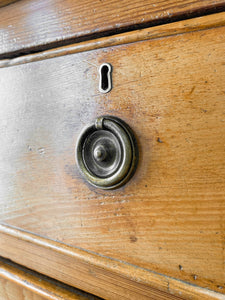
31	25
163	230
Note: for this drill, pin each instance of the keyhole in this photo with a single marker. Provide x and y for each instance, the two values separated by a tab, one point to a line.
105	83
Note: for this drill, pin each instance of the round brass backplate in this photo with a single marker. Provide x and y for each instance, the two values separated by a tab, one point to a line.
107	153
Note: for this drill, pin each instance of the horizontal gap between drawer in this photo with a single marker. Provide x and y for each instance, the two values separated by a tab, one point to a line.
181	27
182	16
38	283
97	274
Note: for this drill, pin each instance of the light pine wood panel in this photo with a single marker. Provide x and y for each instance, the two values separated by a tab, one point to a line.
19	283
39	24
10	291
170	217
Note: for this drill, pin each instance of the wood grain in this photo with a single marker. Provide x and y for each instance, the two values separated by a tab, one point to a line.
6	2
31	25
196	24
170	217
19	283
103	276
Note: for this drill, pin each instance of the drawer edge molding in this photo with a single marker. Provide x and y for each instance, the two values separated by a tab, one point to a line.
15	279
102	276
180	27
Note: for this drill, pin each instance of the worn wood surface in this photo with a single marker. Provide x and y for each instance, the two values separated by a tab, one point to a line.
170	217
6	2
39	24
19	283
97	274
196	24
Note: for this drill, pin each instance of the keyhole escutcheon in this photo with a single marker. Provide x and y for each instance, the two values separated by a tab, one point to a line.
105	81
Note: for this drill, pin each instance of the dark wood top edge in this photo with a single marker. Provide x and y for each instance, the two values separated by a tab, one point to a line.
154	16
181	27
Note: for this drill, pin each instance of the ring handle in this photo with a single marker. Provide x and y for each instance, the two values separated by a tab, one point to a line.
107	147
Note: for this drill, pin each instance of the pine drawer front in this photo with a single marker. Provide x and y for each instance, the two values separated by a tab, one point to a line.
169	218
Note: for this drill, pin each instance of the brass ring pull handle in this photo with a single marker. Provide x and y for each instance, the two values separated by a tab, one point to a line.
106	153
